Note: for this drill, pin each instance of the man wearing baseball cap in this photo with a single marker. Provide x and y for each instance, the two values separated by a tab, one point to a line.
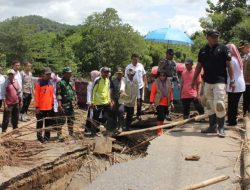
215	59
66	97
44	96
12	101
116	82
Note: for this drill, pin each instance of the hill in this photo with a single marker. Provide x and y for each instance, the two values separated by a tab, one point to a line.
41	23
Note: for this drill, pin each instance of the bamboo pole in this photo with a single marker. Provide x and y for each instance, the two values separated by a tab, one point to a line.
206	183
3	135
167	126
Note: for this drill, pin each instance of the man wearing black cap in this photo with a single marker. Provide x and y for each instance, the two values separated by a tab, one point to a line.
44	96
168	66
215	59
245	49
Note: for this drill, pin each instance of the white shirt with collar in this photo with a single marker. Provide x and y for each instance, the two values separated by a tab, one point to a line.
18	77
140	72
2	86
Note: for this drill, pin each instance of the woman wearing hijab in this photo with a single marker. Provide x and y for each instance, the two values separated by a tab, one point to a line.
93	76
234	96
160	98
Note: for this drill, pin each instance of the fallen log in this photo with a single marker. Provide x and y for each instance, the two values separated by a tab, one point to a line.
206	183
167	126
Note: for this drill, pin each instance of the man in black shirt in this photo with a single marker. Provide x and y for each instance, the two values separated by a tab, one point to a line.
215	59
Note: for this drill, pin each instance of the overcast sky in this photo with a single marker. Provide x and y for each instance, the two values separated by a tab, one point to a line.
143	15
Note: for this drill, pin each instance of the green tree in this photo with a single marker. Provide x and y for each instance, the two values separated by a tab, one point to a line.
224	16
14	39
107	41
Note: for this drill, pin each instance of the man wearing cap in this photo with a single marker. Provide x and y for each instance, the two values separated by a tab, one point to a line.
66	97
168	66
44	95
215	59
140	76
116	89
245	49
188	94
12	101
101	101
129	92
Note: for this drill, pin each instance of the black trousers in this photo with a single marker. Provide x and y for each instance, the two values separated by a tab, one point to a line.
161	112
1	102
47	122
105	115
233	102
13	113
88	123
139	103
129	116
26	102
186	106
246	100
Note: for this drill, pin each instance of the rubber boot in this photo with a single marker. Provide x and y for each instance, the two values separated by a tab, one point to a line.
212	125
221	123
159	132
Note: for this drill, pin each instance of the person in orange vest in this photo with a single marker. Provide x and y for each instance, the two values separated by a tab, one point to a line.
160	97
44	97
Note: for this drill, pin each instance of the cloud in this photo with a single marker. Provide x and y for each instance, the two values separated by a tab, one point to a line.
143	15
185	23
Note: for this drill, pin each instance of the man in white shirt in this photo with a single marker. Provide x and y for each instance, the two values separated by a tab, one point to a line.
18	76
140	77
2	81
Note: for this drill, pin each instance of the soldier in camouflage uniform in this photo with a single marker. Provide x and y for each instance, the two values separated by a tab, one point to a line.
66	96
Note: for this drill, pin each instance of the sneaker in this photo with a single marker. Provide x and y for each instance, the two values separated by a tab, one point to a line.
221	133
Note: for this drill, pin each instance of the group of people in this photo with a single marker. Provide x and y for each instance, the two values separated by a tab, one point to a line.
221	69
110	100
16	94
18	89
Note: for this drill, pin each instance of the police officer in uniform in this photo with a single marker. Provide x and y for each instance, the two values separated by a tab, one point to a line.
215	59
66	96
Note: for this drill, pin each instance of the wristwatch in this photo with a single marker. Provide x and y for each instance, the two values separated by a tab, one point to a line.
232	81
